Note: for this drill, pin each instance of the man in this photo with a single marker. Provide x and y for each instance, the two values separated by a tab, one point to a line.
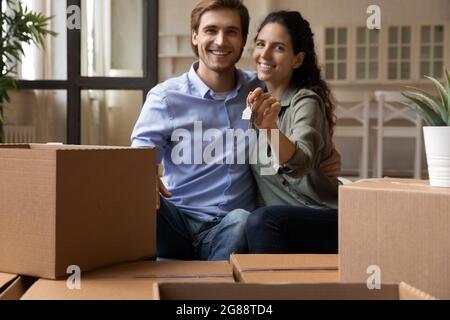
199	221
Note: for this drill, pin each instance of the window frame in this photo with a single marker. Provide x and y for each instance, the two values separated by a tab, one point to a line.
75	83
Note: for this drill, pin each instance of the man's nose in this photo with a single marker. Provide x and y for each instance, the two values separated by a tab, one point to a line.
220	38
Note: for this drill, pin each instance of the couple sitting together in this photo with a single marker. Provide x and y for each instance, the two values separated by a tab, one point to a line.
210	209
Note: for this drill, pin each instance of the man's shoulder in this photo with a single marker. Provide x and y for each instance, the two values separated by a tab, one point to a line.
178	84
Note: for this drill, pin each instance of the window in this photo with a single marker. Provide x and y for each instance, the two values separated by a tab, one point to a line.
399	53
432	51
336	54
89	68
367	53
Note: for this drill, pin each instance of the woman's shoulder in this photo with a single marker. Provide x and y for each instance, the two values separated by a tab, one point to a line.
305	94
306	99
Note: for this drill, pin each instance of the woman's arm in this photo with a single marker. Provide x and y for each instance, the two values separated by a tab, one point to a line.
301	144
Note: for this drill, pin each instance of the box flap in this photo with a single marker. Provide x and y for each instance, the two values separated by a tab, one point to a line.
407	185
17	288
407	292
5	280
166	269
93	289
284	262
298	276
241	291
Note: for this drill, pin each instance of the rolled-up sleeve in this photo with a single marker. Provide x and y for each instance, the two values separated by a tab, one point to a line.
306	131
153	127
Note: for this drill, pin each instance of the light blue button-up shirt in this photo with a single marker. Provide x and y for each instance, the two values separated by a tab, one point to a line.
204	187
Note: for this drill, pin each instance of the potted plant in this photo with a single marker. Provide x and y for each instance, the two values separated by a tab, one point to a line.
20	26
436	113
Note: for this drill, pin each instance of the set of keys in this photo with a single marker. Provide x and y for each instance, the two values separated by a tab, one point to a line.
249	115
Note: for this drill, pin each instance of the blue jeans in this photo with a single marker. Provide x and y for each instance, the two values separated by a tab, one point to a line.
180	236
292	229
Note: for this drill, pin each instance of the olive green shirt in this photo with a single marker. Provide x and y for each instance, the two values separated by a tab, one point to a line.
299	181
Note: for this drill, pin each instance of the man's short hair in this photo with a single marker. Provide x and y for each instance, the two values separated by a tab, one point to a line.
208	5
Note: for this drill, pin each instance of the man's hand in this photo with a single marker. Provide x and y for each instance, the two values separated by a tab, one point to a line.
161	189
331	167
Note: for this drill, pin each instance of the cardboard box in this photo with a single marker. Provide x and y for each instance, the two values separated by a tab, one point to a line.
75	205
401	226
12	286
168	270
147	289
285	268
93	289
322	291
131	281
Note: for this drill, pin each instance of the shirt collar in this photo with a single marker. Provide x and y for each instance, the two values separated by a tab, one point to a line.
204	90
287	96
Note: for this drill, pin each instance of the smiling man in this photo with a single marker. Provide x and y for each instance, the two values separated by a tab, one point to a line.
196	218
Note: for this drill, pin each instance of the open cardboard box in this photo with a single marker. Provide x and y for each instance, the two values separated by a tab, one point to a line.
65	205
285	268
12	286
316	291
147	289
131	281
399	226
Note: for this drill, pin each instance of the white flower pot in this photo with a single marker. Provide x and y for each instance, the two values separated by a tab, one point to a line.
437	146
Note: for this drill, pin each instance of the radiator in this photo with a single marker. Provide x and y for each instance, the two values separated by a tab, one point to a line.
20	134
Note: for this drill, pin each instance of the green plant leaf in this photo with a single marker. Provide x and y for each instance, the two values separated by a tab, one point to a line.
447	76
431	101
442	92
425	111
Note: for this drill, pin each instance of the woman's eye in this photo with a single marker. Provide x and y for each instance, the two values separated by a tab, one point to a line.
259	44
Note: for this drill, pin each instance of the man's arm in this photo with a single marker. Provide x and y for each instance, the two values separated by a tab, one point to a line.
331	167
153	129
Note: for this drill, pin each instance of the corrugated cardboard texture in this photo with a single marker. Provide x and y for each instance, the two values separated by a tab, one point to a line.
75	205
168	270
244	291
12	287
93	289
282	268
401	226
27	213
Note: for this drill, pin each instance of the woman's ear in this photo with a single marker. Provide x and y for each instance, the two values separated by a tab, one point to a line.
298	60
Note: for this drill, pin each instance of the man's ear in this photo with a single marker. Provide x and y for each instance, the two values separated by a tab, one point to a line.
298	61
194	37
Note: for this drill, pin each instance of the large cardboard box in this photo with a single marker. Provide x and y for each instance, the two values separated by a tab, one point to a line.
12	286
285	268
316	291
132	281
400	228
75	205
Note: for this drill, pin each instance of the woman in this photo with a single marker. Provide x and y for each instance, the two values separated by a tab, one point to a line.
301	201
